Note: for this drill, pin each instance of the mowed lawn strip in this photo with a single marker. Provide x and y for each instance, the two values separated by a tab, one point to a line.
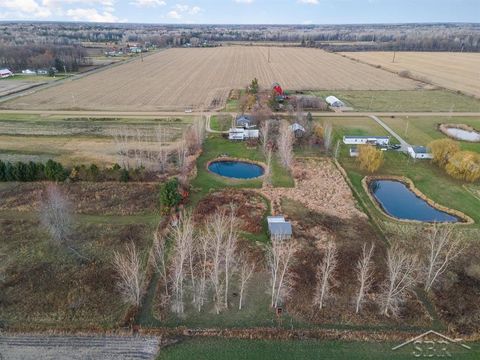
239	349
404	100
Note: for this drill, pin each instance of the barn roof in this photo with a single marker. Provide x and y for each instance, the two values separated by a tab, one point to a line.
278	226
297	126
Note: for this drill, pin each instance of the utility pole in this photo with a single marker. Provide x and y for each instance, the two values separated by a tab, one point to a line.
269	55
394	54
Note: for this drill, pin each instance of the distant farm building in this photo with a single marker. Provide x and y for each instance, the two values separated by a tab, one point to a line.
244	121
279	93
297	129
334	102
279	228
4	73
366	140
419	152
242	134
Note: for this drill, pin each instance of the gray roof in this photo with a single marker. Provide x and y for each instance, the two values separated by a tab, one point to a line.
367	137
244	118
284	228
420	149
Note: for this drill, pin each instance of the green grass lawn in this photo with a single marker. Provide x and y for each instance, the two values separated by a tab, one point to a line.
215	146
34	78
423	130
404	100
220	123
237	349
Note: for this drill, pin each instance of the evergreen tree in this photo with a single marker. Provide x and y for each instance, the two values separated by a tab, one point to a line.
2	171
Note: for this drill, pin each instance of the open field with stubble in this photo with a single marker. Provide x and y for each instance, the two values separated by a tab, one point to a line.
202	78
456	71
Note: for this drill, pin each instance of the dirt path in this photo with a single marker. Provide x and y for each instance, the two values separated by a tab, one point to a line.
40	347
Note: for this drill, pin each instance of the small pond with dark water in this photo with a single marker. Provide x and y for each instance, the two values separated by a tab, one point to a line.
399	201
236	169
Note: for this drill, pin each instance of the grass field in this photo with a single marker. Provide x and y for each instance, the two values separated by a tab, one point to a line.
456	71
404	100
44	284
76	140
423	130
215	146
220	123
203	78
234	349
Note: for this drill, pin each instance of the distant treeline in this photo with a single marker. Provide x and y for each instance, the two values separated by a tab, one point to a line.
61	58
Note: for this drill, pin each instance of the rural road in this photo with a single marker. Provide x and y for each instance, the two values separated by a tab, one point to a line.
42	347
403	143
136	114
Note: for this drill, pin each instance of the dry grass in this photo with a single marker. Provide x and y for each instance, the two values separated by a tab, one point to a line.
456	71
201	78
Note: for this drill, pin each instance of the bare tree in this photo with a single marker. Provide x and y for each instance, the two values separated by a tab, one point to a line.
246	270
56	214
364	271
131	277
267	176
265	129
401	277
325	275
230	247
216	229
280	256
182	233
202	246
159	259
285	145
327	136
443	246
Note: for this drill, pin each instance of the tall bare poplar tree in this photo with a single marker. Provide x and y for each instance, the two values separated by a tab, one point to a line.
280	255
364	272
131	277
325	275
285	145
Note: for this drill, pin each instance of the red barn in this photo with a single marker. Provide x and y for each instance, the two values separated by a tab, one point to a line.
278	89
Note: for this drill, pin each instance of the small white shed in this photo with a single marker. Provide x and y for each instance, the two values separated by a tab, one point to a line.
242	134
363	140
419	152
334	101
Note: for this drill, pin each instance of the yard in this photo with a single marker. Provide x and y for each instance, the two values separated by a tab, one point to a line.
404	100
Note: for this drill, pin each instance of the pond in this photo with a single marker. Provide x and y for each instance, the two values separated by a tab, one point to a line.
462	134
236	169
397	200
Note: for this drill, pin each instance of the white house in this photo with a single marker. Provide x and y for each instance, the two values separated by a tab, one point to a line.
362	140
334	102
419	152
29	72
279	228
4	73
242	134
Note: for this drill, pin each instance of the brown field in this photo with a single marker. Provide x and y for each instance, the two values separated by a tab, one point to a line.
202	78
455	71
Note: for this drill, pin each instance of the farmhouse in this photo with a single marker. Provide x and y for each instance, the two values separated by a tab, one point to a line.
4	73
244	121
279	228
419	152
242	134
297	129
371	140
334	102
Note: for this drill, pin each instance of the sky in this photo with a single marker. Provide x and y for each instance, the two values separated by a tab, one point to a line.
243	11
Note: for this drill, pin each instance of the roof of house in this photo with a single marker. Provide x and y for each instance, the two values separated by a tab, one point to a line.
420	149
278	226
333	99
5	71
366	137
244	118
297	126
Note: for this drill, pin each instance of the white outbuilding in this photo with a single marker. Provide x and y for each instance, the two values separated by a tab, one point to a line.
334	102
419	152
4	73
242	134
364	140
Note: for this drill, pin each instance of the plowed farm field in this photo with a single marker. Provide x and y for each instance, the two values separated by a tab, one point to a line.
176	79
455	71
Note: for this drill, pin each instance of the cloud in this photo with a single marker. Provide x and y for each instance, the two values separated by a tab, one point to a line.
148	3
179	11
91	15
310	2
25	9
244	1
